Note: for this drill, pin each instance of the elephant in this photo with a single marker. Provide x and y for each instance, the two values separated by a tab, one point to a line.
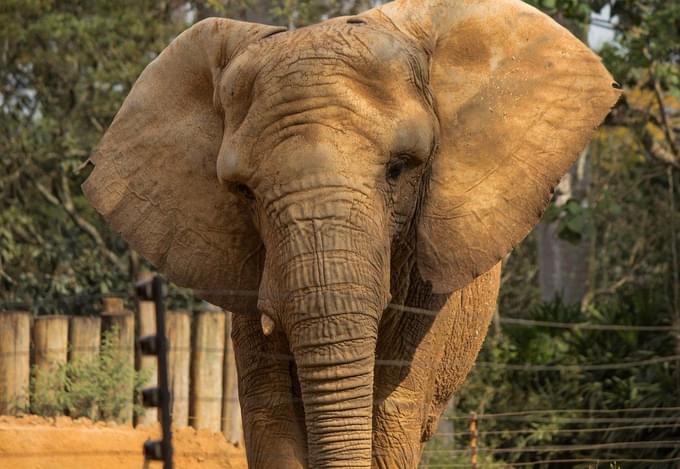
348	190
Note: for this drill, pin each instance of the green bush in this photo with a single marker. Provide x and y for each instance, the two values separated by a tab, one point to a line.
96	388
493	387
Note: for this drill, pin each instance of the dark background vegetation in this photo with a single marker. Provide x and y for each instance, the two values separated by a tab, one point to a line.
606	252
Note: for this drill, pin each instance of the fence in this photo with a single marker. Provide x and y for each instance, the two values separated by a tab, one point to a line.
622	418
616	438
202	369
205	393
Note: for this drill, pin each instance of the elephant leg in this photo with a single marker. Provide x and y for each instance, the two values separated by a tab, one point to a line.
273	419
402	389
425	358
398	420
469	317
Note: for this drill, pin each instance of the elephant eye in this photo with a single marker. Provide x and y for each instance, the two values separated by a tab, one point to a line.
244	191
395	168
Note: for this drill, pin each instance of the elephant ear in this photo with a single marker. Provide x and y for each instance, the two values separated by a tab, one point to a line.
154	176
518	97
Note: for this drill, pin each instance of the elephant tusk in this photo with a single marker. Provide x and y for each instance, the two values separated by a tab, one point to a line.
267	324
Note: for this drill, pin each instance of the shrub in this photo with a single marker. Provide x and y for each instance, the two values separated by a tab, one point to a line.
96	388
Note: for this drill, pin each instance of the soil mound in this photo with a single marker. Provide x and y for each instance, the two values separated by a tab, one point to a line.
32	442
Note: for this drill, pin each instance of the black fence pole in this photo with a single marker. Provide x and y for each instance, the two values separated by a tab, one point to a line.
166	417
160	396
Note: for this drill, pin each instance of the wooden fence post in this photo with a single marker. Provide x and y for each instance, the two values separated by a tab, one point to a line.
15	369
207	369
146	325
115	318
231	409
50	349
178	331
473	440
50	341
84	336
113	304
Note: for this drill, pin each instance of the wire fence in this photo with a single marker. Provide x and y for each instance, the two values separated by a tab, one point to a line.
97	297
597	423
470	445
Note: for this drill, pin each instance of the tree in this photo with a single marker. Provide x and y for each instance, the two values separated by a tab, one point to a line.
65	68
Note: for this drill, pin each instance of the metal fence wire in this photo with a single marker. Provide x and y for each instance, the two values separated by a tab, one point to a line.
464	447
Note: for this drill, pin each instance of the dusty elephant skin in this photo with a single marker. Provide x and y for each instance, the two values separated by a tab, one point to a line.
352	173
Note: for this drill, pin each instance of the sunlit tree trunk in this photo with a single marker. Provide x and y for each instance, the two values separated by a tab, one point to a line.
563	264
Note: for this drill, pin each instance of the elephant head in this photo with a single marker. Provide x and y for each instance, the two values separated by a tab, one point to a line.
308	165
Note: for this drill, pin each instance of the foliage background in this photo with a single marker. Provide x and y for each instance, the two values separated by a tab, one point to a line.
66	66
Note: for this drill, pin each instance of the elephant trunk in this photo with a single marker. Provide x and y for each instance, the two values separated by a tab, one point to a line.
335	358
326	281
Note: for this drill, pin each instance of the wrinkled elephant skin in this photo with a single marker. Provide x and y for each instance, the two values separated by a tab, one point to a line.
348	191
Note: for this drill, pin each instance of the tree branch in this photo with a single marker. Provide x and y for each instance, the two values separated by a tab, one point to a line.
626	116
83	224
611	289
5	275
667	129
657	151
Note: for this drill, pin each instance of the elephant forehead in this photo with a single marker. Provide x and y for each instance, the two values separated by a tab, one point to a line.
327	84
335	58
362	47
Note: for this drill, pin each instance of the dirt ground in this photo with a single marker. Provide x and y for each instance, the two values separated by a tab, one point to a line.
32	442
